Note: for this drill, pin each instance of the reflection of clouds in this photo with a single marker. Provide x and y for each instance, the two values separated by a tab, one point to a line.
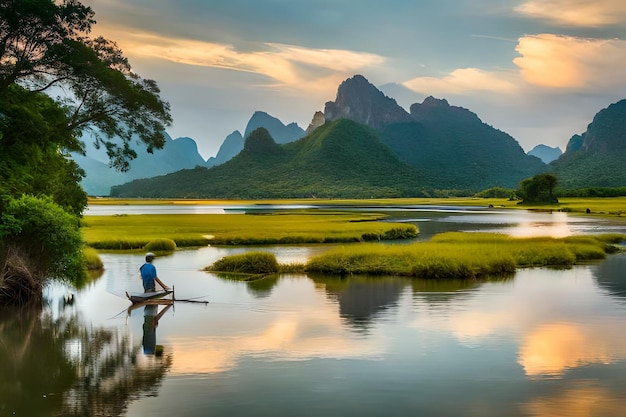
553	348
582	401
557	229
292	337
559	325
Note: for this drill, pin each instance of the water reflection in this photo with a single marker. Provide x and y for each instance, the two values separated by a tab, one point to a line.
362	300
611	276
52	364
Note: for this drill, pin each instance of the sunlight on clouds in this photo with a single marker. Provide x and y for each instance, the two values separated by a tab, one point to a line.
568	62
464	80
282	63
586	13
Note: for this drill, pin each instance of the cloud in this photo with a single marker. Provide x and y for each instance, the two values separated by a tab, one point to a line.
463	81
584	13
569	62
287	65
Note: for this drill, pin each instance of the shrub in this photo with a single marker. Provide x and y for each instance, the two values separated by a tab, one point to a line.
247	263
160	245
38	240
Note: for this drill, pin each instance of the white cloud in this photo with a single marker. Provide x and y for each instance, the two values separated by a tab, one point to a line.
583	13
463	81
569	62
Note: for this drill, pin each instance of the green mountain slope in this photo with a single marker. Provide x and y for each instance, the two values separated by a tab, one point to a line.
596	158
338	160
464	152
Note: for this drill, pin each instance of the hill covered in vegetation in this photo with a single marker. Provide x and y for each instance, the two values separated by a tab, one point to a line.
596	158
338	160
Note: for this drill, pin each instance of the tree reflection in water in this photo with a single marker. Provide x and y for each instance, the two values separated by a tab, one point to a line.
54	366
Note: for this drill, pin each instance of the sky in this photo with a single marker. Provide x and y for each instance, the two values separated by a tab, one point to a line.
538	70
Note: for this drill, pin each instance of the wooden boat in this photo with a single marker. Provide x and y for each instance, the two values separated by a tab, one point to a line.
140	297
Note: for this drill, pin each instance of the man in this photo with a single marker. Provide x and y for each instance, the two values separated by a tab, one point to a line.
149	275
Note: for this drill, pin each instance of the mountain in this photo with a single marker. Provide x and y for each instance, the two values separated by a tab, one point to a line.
459	149
232	145
175	155
340	159
280	132
596	157
358	100
546	153
451	143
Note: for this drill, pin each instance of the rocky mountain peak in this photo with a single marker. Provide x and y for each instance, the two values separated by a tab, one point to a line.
360	101
433	108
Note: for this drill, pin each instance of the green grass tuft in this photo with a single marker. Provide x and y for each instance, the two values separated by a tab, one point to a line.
161	245
247	263
92	259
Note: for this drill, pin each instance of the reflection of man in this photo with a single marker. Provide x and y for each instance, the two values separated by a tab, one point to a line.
150	323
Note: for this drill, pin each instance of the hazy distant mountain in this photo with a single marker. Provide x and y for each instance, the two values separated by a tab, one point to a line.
546	153
176	154
339	159
280	132
358	100
596	158
232	145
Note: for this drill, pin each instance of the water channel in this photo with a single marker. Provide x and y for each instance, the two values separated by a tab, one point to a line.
542	343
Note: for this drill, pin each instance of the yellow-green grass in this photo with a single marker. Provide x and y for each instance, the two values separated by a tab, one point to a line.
92	259
458	255
135	231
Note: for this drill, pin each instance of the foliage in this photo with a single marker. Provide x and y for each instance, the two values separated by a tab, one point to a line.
46	48
247	263
39	240
45	51
497	192
34	135
538	189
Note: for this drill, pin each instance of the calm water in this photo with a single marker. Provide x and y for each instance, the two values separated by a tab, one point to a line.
542	343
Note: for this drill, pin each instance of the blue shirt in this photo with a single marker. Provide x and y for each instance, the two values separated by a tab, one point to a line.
148	273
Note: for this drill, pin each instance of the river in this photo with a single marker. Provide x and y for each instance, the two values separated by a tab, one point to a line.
541	343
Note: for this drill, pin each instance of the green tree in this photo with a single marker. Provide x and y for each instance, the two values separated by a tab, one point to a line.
538	189
55	83
44	44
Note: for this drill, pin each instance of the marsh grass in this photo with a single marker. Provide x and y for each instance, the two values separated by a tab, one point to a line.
247	263
136	231
160	245
92	259
458	255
